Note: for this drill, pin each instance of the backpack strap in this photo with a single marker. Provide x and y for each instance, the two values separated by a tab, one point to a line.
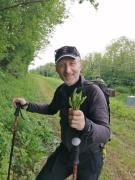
103	88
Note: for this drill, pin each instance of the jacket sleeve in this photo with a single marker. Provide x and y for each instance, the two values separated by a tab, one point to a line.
49	109
97	120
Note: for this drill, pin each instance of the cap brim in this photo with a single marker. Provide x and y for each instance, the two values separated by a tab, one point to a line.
66	55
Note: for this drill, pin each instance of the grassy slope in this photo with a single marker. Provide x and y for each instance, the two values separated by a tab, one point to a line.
119	162
35	89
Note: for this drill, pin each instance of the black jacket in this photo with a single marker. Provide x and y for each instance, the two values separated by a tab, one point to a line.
96	130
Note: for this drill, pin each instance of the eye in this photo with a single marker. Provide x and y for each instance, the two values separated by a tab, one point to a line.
72	63
60	65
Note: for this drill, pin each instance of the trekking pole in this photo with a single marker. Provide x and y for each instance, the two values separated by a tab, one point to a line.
18	107
76	142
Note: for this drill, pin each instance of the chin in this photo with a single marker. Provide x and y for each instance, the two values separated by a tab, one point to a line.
70	83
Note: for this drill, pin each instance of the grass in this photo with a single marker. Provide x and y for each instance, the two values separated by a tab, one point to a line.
35	137
38	135
119	163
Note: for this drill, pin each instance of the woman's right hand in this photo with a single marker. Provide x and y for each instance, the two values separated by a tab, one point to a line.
20	100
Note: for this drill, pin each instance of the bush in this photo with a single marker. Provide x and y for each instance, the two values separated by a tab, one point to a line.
122	89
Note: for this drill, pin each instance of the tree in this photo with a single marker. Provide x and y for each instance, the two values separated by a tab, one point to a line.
116	65
120	60
92	65
25	26
24	29
93	2
47	70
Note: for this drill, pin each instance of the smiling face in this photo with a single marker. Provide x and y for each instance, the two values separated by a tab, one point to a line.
69	70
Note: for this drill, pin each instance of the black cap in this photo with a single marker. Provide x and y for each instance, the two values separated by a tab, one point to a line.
66	51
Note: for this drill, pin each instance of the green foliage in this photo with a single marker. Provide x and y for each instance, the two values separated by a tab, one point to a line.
115	66
120	150
25	26
91	65
122	111
122	89
76	100
46	70
35	137
121	57
24	29
132	88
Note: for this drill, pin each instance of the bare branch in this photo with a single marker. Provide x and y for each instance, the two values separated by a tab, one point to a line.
21	4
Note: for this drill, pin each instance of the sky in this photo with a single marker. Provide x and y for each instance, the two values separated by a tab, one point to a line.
90	30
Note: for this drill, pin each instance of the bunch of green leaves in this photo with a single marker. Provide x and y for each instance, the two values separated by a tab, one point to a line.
76	99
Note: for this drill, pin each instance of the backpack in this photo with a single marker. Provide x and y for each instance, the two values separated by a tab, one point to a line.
104	88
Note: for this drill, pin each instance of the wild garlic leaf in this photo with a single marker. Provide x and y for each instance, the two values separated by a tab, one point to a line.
76	99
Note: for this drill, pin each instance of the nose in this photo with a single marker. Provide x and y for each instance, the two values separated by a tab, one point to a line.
67	69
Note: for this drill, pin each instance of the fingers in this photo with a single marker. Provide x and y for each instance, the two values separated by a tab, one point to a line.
14	102
22	101
74	115
78	125
76	119
73	123
72	112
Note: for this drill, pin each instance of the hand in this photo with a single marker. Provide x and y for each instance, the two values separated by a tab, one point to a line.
76	119
22	102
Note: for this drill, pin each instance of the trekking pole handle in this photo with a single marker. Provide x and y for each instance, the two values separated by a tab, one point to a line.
18	107
76	142
16	113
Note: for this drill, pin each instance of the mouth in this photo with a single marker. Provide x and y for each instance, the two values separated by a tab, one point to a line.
68	75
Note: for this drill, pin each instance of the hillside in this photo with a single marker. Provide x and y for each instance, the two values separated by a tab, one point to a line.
38	135
35	136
